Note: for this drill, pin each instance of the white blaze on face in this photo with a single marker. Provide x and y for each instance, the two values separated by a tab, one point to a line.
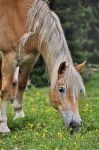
16	74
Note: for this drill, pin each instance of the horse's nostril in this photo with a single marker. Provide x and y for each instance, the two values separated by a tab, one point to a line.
73	124
81	123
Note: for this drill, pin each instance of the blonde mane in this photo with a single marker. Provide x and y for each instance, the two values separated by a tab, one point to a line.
52	45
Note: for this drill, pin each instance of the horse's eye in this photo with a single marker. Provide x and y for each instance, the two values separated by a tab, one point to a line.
61	89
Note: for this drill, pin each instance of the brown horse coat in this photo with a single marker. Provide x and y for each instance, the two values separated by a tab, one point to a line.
13	15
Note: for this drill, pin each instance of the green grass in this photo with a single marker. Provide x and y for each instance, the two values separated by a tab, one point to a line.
43	128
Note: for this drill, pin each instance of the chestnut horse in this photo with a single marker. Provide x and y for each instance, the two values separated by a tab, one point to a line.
41	33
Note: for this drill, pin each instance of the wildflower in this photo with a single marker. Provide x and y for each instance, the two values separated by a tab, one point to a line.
87	105
51	134
57	148
38	94
59	135
90	110
30	125
15	137
43	135
82	137
96	129
75	143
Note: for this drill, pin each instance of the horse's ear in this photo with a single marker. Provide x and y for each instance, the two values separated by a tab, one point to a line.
62	68
80	66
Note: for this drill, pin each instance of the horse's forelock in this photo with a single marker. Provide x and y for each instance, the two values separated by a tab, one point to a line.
73	81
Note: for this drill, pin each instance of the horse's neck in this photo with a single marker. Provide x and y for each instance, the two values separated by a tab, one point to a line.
49	60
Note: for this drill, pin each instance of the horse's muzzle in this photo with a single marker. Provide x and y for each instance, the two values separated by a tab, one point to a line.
74	126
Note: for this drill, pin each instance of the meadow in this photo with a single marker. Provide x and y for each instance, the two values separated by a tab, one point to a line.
43	128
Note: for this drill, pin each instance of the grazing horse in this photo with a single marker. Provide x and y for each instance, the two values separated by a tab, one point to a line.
45	36
41	33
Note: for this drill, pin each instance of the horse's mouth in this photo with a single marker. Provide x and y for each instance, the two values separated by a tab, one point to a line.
74	127
73	130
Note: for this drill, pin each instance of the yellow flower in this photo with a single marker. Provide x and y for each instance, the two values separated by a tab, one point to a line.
51	134
87	105
96	129
57	148
43	135
15	137
38	94
59	135
75	143
82	137
30	125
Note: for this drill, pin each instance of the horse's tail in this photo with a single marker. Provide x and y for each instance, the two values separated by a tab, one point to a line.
36	14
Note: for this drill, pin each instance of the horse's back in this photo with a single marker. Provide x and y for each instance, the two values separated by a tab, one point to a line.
13	15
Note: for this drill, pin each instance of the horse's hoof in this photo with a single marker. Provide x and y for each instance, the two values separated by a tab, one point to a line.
19	115
4	130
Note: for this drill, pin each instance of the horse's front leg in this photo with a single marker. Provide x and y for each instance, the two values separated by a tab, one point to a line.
8	69
23	78
22	82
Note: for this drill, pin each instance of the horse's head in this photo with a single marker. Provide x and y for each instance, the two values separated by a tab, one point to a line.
65	95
